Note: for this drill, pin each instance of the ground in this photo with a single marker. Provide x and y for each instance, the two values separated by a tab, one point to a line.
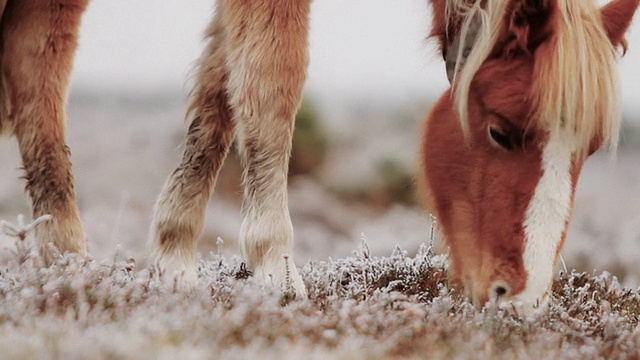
359	307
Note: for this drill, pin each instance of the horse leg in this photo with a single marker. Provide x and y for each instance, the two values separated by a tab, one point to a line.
39	40
267	62
179	212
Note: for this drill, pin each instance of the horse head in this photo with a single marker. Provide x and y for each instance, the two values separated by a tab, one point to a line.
534	93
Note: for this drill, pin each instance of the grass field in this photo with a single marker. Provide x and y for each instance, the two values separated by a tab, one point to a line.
359	307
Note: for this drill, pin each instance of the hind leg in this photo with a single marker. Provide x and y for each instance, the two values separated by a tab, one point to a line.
179	212
39	42
267	63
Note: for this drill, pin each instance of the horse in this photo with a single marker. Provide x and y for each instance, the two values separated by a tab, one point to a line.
534	93
37	46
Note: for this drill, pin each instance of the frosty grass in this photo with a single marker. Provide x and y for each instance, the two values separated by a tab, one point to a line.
360	307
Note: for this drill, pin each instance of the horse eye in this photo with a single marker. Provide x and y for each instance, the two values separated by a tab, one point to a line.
500	138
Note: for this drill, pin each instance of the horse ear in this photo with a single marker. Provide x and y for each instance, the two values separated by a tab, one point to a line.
441	27
616	18
529	24
447	31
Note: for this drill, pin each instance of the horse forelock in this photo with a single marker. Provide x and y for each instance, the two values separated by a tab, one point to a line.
479	30
574	83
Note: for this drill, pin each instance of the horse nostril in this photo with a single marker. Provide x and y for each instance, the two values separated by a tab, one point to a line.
499	289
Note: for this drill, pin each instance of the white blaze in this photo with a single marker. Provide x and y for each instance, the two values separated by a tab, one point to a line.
546	217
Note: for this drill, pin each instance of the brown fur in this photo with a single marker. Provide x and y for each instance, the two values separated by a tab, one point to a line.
38	43
189	187
479	191
249	80
616	20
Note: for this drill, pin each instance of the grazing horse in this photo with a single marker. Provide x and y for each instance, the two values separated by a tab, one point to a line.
534	93
248	87
37	44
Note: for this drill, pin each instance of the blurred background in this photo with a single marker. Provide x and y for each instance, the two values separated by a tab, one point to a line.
372	77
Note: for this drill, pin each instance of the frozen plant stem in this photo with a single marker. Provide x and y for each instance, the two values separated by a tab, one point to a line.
21	230
432	233
287	273
219	243
564	265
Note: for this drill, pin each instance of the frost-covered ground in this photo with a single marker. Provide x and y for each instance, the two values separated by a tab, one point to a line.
124	147
359	307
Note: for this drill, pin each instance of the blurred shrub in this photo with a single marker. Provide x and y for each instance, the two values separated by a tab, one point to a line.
310	142
393	182
396	183
629	133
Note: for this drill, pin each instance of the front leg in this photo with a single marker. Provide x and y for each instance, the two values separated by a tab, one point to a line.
39	41
267	62
179	213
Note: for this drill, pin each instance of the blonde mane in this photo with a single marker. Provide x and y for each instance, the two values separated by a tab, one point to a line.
489	21
575	87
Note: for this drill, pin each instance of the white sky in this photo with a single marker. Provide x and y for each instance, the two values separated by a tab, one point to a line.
358	47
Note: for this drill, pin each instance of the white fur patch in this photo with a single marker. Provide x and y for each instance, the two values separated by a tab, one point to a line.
546	218
266	235
177	267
